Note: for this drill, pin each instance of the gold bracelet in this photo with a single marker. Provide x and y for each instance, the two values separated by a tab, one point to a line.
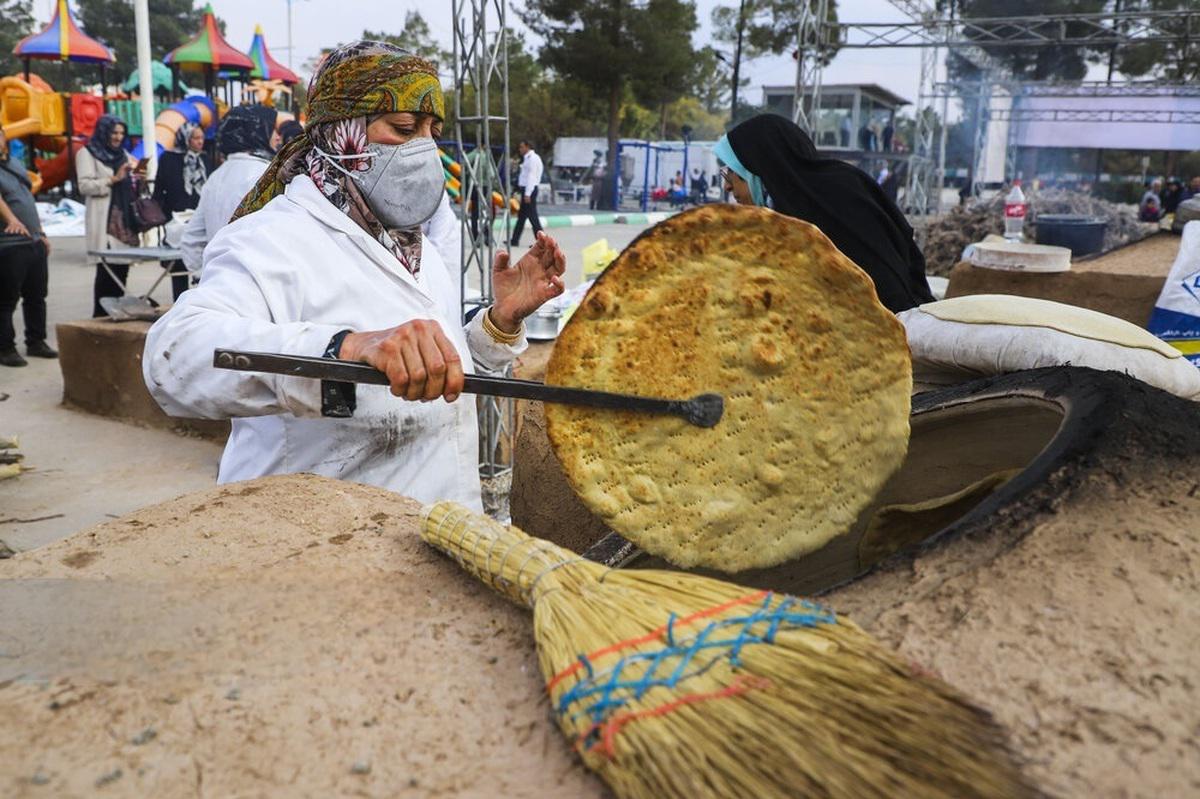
498	335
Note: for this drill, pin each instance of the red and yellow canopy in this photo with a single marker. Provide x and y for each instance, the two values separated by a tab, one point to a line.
64	40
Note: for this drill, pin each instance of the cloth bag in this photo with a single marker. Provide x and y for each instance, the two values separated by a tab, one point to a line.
1176	317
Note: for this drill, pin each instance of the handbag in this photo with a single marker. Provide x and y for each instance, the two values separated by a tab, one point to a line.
147	214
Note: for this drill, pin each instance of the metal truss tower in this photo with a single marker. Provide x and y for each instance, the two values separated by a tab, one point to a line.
810	60
480	50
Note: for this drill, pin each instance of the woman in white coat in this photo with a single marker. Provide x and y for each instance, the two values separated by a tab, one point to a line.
247	138
327	257
106	180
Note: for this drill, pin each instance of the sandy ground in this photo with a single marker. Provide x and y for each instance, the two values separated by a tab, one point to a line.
1151	256
287	637
87	469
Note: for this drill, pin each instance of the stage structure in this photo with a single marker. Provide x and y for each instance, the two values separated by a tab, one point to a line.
480	66
930	29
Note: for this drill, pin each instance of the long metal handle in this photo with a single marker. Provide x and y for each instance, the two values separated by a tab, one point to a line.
703	410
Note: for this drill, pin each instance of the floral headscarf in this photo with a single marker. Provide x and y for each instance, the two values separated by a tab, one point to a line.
354	84
195	173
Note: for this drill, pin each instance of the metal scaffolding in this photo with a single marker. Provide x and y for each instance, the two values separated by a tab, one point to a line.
480	50
930	29
810	58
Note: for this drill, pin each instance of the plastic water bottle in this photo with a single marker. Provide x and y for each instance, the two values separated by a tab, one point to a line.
1015	208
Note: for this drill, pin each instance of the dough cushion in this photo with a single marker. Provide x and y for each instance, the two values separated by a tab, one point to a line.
762	309
1002	309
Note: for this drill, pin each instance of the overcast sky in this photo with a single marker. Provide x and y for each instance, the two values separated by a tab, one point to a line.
323	23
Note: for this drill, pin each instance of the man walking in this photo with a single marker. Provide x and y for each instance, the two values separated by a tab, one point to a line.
530	177
24	252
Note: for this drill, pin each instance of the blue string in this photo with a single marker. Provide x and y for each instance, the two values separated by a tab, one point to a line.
600	694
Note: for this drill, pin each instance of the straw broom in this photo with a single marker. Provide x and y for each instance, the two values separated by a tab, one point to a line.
674	685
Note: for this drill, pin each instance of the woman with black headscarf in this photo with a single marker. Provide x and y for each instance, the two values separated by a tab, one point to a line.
181	175
248	139
106	180
769	161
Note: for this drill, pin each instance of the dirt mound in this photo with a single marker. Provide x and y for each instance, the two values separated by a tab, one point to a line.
287	636
1064	602
948	235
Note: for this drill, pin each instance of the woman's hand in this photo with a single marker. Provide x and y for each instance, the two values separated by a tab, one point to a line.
120	174
521	289
421	363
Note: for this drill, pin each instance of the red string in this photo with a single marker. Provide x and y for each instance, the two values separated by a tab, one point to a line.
611	728
651	636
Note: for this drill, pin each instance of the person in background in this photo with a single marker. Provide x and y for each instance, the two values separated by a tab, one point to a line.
106	180
1193	188
845	130
699	186
596	178
289	130
24	271
1172	196
182	173
889	130
1150	207
247	137
531	176
769	161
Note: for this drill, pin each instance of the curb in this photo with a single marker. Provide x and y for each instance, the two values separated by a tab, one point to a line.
587	220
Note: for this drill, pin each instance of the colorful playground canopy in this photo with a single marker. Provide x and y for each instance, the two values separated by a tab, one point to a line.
63	40
266	67
208	49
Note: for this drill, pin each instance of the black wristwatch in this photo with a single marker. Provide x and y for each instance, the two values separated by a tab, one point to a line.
338	399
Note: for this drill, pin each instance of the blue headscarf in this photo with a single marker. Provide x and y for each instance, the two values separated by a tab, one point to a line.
724	152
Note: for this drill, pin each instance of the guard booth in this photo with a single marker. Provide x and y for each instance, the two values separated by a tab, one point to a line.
854	118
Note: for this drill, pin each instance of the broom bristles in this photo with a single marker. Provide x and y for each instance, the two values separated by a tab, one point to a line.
671	684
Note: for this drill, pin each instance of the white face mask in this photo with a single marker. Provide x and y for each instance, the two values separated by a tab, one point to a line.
404	184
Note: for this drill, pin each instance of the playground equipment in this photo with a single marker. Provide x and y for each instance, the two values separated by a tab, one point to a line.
63	40
266	67
36	111
453	172
209	54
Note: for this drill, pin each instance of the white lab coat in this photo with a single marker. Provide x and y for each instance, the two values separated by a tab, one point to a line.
286	279
220	196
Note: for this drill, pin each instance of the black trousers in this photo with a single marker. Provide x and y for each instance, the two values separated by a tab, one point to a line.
528	211
105	286
180	279
24	276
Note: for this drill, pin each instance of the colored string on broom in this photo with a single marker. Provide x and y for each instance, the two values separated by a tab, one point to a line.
604	695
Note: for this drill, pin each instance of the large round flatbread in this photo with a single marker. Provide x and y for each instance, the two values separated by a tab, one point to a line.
764	310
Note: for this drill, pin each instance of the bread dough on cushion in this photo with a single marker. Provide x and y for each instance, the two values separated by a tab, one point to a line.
980	335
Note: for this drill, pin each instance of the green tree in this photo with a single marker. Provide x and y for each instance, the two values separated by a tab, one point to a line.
1062	62
711	80
666	73
416	37
16	22
172	22
1177	61
759	27
605	45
